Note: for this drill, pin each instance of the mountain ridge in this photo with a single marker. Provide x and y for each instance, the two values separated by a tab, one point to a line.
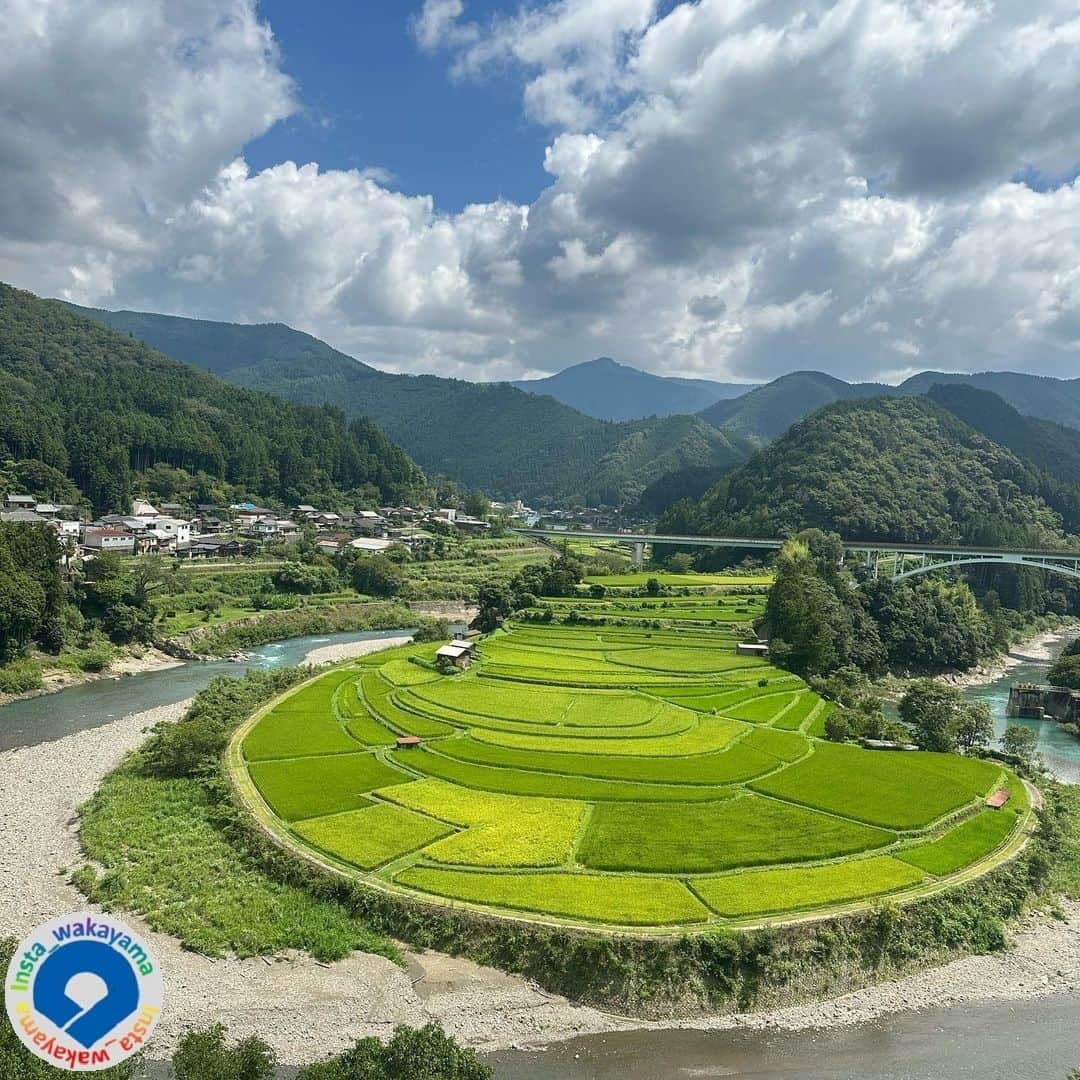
105	410
491	436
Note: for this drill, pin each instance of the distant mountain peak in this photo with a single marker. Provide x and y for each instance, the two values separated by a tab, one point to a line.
609	390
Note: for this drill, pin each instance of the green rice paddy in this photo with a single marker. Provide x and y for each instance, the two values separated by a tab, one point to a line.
611	775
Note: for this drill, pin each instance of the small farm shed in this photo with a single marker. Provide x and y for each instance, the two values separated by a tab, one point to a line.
753	648
998	799
407	742
458	653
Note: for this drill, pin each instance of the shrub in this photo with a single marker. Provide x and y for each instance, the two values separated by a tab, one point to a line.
426	1053
193	747
20	676
202	1054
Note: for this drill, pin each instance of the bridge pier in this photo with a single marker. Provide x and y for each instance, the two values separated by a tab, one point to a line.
638	555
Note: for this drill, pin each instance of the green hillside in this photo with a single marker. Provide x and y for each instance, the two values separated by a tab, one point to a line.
1053	449
899	469
768	411
490	436
1033	395
81	401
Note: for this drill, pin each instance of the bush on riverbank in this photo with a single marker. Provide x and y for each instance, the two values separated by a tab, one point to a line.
20	676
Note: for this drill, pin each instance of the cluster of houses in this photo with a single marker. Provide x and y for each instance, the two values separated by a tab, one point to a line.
212	531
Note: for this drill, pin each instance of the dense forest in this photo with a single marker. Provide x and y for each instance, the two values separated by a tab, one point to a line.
86	404
902	469
822	617
491	436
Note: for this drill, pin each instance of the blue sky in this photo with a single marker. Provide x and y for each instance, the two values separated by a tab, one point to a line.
695	187
374	99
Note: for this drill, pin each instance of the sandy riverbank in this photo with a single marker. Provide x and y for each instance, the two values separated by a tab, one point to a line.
364	994
1042	648
349	650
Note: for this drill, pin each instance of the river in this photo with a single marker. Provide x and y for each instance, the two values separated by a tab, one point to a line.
88	705
1060	750
1026	1040
1037	1039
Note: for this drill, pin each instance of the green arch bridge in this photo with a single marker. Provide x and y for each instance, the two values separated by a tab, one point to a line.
895	560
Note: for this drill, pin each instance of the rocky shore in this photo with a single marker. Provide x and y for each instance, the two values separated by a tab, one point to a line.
363	994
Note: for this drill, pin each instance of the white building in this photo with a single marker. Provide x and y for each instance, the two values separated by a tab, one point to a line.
176	528
119	540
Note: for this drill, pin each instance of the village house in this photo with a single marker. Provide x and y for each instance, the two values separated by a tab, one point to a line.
20	502
368	523
214	547
370	545
176	528
27	517
108	538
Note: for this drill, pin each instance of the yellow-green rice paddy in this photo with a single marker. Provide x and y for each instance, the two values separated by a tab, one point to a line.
613	776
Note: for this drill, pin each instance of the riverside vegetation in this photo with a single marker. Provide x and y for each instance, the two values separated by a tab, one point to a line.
580	778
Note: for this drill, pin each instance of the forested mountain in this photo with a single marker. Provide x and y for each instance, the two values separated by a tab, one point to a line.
104	410
901	469
489	436
612	391
1053	449
1032	395
766	412
689	483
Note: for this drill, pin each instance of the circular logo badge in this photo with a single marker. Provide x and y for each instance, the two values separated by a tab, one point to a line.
83	992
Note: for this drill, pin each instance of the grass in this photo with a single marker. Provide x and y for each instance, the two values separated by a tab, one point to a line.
285	734
500	830
590	897
761	710
963	845
764	892
380	699
167	857
638	580
311	787
896	790
749	831
372	836
657	740
303	723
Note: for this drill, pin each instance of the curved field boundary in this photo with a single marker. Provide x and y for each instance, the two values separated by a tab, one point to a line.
278	831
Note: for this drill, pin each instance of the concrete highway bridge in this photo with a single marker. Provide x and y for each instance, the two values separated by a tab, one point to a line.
894	560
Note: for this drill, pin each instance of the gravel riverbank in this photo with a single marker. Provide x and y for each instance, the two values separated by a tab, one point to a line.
307	1010
1042	648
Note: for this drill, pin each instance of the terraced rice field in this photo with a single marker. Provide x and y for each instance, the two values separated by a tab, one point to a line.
612	775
